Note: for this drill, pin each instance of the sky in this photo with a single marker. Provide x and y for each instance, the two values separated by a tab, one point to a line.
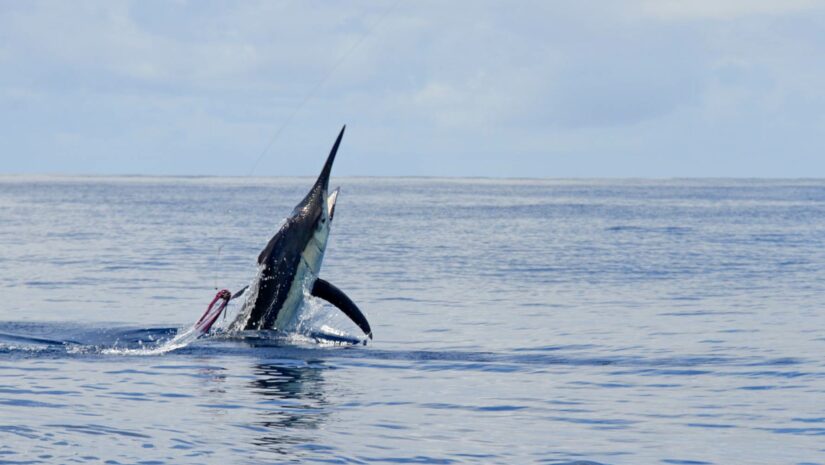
637	88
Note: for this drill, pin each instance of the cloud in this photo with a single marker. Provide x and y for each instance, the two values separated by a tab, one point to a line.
723	10
532	88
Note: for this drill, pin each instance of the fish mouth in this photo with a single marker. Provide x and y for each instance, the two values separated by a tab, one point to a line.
330	203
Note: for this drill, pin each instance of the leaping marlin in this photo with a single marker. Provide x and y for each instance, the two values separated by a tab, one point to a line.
291	260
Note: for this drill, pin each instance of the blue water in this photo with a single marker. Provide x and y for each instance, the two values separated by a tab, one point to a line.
516	321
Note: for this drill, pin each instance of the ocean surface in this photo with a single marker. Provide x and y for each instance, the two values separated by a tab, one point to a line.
557	322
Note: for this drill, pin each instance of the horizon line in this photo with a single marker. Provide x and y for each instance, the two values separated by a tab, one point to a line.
514	178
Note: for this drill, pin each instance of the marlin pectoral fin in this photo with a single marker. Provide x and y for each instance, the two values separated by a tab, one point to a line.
324	290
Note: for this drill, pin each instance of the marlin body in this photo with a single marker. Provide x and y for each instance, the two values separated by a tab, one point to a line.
291	261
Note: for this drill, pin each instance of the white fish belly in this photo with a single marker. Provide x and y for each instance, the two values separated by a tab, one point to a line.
305	276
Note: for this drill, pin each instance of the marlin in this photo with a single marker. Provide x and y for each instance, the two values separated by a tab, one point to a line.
291	261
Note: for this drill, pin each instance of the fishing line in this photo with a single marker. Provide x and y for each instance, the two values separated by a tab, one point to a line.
321	83
217	265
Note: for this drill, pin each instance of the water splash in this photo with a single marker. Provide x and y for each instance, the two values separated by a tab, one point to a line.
180	341
313	326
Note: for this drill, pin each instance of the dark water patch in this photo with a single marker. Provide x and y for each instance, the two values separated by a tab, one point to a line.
133	371
783	361
705	313
666	230
685	462
127	394
97	430
72	283
29	403
188	367
473	408
599	423
810	420
472	366
565	462
394	426
255	428
375	404
475	456
13	338
47	392
798	431
774	374
132	397
555	348
22	431
417	459
175	395
501	408
663	372
763	387
606	385
785	263
775	238
710	425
